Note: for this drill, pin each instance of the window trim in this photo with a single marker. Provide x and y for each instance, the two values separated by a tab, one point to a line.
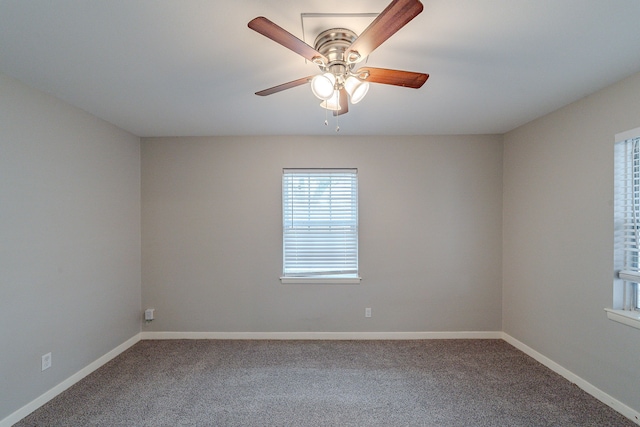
320	281
327	279
620	314
626	317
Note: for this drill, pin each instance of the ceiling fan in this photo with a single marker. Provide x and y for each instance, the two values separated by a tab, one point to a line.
337	51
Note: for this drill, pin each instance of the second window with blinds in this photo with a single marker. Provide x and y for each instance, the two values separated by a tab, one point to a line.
320	226
627	220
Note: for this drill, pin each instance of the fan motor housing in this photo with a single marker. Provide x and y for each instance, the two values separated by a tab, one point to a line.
333	43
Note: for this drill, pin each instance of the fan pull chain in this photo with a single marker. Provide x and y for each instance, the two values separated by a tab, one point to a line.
326	119
338	115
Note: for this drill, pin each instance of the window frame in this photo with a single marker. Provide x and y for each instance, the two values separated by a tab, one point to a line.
626	236
327	278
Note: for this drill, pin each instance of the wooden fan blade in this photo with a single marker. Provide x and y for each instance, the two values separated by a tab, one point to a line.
393	77
344	103
394	17
284	86
279	35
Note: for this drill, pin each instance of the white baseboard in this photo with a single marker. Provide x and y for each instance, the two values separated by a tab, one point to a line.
47	396
319	335
608	400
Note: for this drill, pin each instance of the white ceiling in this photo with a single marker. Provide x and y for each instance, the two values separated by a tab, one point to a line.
191	67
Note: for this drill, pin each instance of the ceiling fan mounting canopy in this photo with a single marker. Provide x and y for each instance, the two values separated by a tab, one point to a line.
337	50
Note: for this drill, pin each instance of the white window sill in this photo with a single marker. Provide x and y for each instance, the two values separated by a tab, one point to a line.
321	281
627	317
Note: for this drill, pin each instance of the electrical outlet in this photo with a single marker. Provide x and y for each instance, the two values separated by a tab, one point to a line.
46	361
367	312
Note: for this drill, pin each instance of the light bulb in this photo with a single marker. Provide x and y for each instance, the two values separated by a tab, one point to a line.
322	85
333	103
356	89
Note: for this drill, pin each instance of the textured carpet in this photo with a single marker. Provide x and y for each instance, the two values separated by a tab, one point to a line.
324	383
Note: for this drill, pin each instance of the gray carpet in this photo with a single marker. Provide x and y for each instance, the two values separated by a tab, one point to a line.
324	383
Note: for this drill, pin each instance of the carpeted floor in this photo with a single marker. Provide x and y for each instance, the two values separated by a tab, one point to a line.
324	383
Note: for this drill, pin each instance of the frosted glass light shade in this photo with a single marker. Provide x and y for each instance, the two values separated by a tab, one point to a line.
356	89
322	85
333	103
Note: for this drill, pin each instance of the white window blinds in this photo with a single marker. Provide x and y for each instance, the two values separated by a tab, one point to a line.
320	223
627	216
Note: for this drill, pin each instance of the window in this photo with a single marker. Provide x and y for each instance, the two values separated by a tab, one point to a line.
320	225
627	220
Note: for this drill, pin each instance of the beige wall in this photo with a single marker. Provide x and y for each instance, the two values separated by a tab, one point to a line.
558	237
430	234
69	241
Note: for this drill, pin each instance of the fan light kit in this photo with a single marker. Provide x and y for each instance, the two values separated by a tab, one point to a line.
337	52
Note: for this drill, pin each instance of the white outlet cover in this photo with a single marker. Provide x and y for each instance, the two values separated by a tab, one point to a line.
46	361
